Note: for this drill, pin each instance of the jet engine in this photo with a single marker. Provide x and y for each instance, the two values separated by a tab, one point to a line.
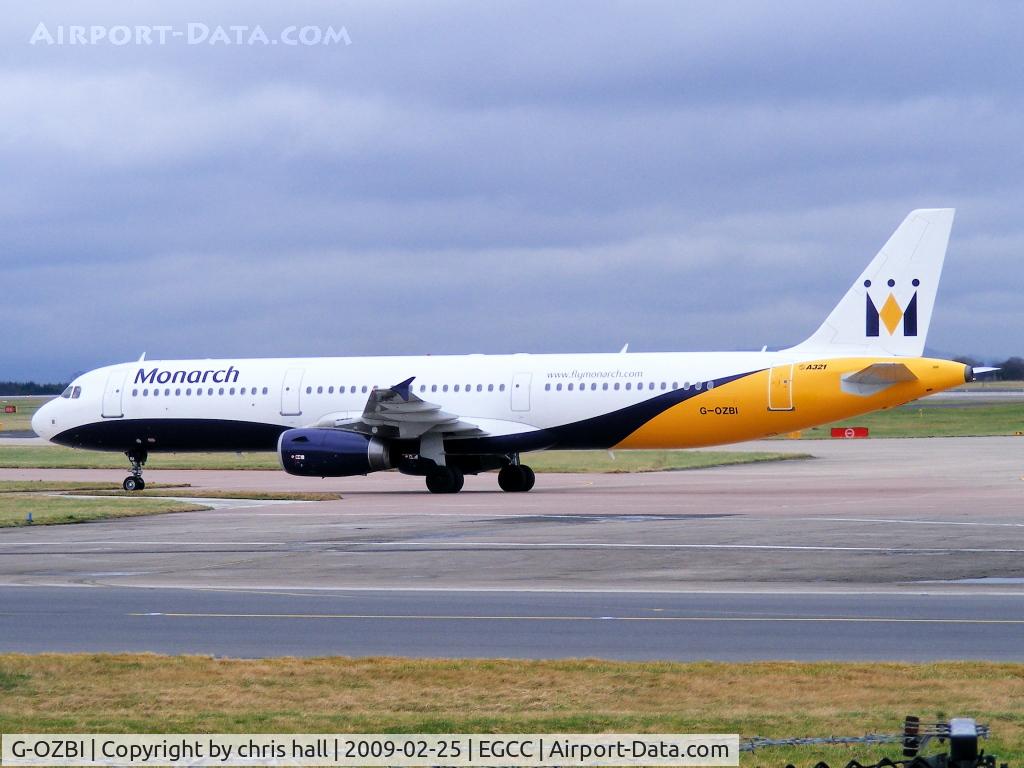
331	453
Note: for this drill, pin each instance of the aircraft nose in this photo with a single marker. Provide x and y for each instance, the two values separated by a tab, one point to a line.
41	421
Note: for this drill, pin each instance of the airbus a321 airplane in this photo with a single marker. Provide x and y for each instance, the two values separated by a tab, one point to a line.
448	416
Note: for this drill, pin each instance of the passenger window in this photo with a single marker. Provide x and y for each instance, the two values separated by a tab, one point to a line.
501	387
209	390
605	386
188	391
156	393
697	386
569	387
145	393
479	387
651	385
433	387
710	385
547	387
456	387
686	385
309	390
365	389
264	390
135	393
444	388
629	385
593	387
558	386
490	387
231	391
616	386
199	392
675	385
319	390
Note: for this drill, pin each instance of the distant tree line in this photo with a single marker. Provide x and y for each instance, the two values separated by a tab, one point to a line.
1010	369
15	388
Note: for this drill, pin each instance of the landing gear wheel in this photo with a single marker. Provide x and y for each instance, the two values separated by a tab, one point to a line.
132	483
516	478
529	478
445	480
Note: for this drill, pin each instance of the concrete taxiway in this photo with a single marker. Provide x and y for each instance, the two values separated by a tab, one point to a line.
906	549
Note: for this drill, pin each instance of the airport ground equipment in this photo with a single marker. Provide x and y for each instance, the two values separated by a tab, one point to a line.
959	736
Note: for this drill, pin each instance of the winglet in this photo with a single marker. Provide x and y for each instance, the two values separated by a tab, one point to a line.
402	390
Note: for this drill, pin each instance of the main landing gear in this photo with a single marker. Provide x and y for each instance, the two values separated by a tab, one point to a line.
516	478
445	480
134	481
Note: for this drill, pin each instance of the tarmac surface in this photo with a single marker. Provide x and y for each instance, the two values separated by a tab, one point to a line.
896	549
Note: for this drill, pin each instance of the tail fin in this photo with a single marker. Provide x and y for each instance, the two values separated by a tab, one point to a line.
888	309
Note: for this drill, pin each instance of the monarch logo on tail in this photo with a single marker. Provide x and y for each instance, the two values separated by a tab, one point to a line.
891	312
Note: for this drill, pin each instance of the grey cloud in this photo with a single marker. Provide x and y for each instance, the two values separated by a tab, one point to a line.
467	177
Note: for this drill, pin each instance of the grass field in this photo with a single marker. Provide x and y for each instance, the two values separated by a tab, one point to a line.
49	501
58	510
931	419
22	420
46	456
146	693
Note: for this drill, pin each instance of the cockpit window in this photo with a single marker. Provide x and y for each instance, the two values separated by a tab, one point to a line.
76	393
67	392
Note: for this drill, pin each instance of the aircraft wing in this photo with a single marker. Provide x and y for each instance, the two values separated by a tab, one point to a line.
876	377
397	412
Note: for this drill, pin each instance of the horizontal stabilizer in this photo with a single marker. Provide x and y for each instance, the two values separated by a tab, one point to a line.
875	378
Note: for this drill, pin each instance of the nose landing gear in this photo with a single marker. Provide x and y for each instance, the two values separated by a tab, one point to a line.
134	481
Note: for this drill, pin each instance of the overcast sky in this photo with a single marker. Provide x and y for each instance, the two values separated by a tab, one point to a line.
476	177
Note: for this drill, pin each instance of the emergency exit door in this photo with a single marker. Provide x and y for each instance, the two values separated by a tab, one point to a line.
521	391
780	388
290	391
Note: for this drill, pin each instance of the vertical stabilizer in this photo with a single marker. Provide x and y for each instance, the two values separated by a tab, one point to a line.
888	309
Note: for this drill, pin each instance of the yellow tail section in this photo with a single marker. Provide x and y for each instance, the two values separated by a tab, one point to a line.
790	397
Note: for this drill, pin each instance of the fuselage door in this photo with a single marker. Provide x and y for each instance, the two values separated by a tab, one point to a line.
113	394
290	390
780	388
521	391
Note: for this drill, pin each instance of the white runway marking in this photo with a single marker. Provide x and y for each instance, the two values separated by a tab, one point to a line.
910	522
676	619
913	590
331	546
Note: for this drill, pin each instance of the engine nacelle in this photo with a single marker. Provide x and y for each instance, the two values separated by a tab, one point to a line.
331	453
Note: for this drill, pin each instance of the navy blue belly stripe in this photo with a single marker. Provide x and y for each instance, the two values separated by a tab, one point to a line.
599	432
184	435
